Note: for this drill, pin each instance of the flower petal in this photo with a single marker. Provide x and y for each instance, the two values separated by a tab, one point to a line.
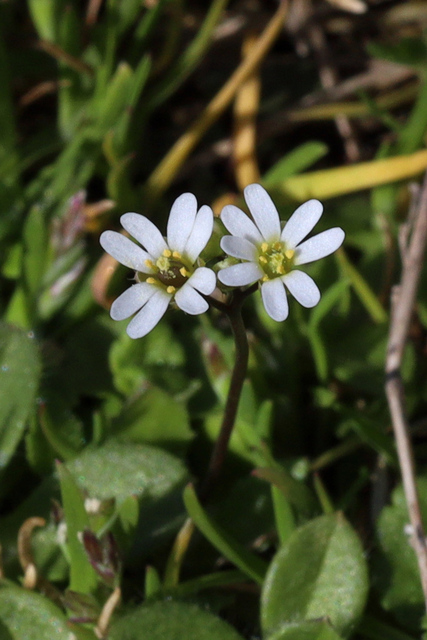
240	275
190	301
150	314
263	211
143	230
203	279
275	300
131	300
302	287
319	246
125	251
181	221
200	233
239	224
301	223
239	248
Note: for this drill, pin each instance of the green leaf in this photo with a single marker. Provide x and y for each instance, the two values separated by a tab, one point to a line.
294	162
115	100
246	561
320	573
26	615
395	568
120	469
82	575
155	418
295	491
20	369
408	51
45	16
172	621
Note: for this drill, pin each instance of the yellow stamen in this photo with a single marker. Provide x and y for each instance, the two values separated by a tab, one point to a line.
264	247
277	246
150	281
183	271
281	269
289	253
265	278
171	289
177	255
263	259
167	253
149	264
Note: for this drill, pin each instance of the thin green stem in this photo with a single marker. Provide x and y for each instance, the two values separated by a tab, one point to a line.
233	310
234	313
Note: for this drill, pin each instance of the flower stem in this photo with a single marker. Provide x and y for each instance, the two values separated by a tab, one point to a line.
234	313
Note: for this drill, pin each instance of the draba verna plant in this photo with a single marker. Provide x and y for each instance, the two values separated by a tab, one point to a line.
170	270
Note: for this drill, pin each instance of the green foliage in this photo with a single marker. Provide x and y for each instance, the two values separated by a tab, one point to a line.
25	615
20	370
319	573
395	568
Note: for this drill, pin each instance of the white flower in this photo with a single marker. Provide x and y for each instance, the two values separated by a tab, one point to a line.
166	269
270	254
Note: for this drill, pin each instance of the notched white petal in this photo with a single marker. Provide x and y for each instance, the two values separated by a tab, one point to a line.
319	246
143	230
275	300
303	288
239	224
200	233
181	221
150	314
239	275
239	248
263	211
204	280
131	300
190	301
124	251
301	222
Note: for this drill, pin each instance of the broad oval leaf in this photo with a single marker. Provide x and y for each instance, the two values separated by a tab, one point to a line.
20	368
395	569
171	621
320	573
120	469
26	615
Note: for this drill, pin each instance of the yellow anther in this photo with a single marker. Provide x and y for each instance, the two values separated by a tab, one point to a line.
167	253
151	281
170	289
183	271
277	246
263	259
265	278
264	247
281	269
289	253
149	264
177	255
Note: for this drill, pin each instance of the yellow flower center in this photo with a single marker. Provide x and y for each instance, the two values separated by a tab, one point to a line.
171	271
275	259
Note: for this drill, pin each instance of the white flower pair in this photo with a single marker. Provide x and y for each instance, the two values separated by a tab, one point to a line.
170	269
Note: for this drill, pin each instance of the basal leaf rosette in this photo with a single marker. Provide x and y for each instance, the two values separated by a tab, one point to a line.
270	254
166	268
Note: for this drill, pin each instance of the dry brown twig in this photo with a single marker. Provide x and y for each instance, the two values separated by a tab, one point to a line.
401	313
